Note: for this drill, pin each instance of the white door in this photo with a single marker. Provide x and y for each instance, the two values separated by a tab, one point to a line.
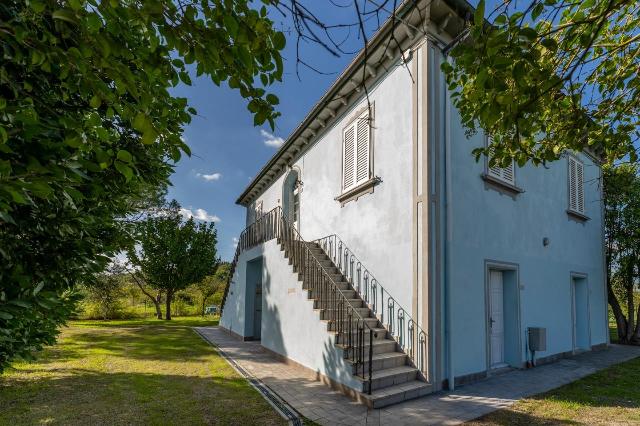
496	319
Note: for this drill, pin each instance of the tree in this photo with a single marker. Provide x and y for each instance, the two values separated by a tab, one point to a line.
212	284
171	253
622	220
548	76
138	279
88	125
103	294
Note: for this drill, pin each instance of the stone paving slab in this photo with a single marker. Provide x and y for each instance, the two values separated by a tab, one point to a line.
325	406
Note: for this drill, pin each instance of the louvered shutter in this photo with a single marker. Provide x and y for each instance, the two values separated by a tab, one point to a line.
576	185
348	157
580	186
362	150
505	174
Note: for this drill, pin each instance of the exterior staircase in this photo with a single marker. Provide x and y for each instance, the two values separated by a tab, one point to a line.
393	379
385	354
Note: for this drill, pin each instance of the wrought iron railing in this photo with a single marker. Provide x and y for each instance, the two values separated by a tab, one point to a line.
395	318
264	229
352	330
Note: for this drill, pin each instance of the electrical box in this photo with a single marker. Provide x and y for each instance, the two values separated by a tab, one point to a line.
537	339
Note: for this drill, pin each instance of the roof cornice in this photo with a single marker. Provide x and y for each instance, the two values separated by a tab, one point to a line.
347	87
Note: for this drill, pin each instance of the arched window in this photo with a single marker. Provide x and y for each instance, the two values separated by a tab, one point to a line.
291	197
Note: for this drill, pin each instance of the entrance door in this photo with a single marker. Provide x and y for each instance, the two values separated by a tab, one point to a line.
257	316
581	338
496	319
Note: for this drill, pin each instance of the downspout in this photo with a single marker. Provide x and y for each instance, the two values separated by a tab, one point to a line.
449	236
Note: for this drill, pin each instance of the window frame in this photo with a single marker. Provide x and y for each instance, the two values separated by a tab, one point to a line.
489	171
579	187
368	115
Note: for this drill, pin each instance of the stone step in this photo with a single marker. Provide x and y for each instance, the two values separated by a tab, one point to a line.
331	271
342	285
332	313
395	394
380	345
371	322
348	294
380	362
379	334
356	303
389	377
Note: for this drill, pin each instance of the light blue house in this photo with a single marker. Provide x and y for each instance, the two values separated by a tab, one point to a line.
380	255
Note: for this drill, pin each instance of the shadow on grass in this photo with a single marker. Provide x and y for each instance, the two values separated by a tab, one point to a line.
83	396
142	343
144	322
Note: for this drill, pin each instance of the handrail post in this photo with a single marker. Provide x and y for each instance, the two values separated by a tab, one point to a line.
370	360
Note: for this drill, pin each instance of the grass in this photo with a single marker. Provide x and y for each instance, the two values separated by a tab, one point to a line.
611	396
138	372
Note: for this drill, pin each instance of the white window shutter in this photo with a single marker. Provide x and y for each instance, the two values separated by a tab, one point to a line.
576	185
362	150
580	186
348	157
505	174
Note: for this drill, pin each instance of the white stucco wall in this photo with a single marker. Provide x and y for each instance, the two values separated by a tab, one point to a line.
378	226
489	225
290	326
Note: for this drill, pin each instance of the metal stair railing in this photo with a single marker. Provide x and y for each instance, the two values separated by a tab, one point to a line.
350	327
406	331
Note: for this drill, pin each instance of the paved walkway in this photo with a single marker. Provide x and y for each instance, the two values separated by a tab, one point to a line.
319	403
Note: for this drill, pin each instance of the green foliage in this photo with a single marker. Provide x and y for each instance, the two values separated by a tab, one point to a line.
171	253
211	288
551	76
103	297
622	225
89	128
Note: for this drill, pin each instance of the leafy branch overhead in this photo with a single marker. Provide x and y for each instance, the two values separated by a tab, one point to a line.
89	129
550	76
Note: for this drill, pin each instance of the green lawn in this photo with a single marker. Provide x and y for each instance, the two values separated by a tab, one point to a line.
130	372
609	397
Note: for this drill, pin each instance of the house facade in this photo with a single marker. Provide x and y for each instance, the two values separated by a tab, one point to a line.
380	255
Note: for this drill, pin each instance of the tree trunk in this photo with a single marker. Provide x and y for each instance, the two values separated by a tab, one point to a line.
635	339
168	305
155	300
203	303
621	320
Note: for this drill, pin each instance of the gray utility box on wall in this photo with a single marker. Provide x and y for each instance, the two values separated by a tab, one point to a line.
537	339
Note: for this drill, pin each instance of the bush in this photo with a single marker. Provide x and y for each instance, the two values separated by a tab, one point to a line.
103	298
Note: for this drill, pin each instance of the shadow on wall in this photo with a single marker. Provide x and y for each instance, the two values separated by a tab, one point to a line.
336	366
271	323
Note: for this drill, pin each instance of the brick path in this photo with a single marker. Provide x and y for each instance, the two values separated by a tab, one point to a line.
319	403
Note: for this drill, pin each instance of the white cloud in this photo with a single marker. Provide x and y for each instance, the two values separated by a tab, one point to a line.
199	214
235	242
209	178
271	140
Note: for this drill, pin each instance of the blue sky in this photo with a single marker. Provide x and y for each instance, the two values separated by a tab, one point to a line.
227	150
